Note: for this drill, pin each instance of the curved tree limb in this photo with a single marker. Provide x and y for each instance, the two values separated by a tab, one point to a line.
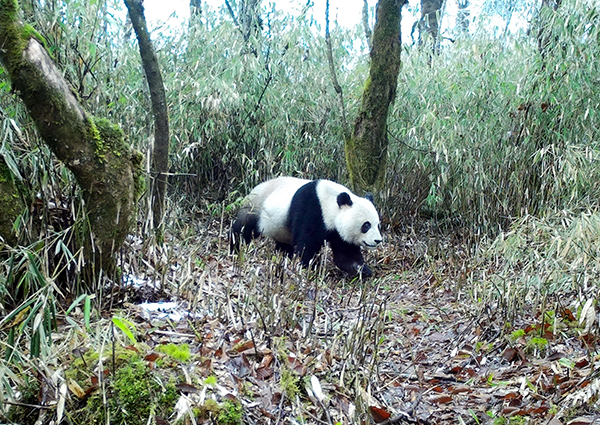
160	156
105	167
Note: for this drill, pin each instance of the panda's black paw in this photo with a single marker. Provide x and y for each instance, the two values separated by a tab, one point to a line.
365	271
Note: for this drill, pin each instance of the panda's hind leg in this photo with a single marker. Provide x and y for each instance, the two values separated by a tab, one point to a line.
285	247
245	226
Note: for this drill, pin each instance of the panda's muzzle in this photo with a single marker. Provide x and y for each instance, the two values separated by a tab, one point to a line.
377	242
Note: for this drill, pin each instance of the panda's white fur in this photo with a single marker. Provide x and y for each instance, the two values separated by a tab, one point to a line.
301	214
276	196
347	220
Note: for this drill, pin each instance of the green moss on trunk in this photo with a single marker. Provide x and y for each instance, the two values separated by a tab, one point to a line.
109	186
104	165
11	204
366	150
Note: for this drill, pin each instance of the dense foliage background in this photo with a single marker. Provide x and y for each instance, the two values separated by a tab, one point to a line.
485	132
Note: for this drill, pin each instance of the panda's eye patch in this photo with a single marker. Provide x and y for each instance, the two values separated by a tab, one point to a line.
365	227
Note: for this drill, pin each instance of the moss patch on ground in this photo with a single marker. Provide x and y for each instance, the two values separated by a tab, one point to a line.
180	352
137	395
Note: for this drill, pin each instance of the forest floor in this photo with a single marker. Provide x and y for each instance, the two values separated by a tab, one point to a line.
412	345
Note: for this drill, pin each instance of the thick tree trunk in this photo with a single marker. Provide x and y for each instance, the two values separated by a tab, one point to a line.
366	150
160	157
105	167
11	204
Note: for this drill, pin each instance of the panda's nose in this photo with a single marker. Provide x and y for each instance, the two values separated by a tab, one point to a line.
378	241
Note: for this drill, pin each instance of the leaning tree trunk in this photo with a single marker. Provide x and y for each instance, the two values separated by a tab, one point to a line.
366	150
160	156
104	165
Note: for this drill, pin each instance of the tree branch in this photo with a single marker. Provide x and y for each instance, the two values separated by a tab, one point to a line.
160	156
365	21
230	9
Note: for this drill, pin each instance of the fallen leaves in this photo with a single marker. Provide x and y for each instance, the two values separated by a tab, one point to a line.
379	414
405	349
446	367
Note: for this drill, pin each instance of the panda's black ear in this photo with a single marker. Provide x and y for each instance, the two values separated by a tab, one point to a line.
344	199
369	197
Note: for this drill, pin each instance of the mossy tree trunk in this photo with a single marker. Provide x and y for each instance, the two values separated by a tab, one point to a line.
11	204
160	155
366	149
105	167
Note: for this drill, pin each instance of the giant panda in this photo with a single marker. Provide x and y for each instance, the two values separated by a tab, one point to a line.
300	215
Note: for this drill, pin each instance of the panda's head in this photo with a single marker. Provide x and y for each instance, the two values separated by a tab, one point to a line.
358	221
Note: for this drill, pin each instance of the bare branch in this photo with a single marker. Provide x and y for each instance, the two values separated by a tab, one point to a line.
160	157
235	21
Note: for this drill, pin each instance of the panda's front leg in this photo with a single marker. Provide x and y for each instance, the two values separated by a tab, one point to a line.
350	259
307	251
285	247
365	270
307	241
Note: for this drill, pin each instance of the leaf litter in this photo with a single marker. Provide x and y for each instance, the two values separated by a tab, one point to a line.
312	346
